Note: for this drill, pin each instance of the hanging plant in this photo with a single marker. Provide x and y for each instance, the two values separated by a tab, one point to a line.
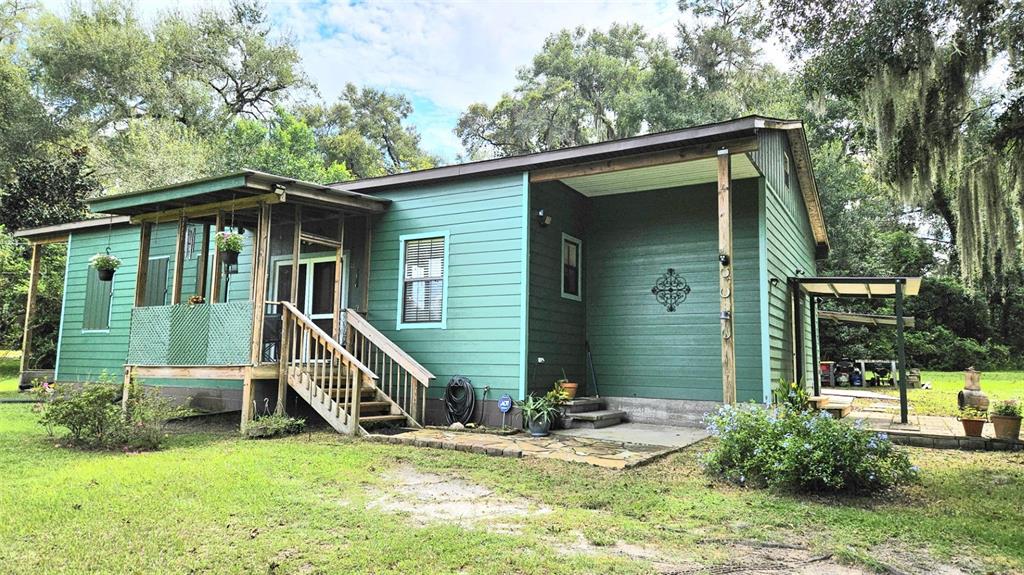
229	244
105	265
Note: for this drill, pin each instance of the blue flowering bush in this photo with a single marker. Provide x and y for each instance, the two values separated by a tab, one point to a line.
802	451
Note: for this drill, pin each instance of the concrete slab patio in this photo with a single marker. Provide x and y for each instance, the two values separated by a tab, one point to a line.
931	431
620	450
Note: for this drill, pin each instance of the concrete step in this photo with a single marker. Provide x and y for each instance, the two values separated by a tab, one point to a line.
595	419
582	404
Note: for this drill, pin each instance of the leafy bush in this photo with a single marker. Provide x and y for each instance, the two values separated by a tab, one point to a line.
972	413
790	395
1009	408
229	241
273	425
802	451
94	418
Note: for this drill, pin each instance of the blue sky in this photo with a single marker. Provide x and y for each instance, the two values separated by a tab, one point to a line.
442	55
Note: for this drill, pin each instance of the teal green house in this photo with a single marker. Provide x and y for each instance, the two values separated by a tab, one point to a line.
656	271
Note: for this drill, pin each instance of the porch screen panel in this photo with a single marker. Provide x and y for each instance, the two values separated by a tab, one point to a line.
97	302
423	281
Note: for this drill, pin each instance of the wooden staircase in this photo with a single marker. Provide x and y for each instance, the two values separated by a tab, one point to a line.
338	382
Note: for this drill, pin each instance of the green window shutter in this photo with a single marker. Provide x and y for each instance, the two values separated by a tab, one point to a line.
156	282
97	302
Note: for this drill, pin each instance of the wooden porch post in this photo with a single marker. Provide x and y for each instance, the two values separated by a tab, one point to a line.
261	257
284	356
140	278
246	398
815	363
30	306
901	352
798	332
725	281
179	261
215	280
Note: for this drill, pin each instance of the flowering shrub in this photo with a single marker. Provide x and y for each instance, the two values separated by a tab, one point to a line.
93	416
802	451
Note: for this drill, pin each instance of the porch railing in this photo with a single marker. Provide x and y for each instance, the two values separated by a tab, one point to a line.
183	334
331	377
400	376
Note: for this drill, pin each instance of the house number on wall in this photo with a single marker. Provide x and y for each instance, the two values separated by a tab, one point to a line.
671	289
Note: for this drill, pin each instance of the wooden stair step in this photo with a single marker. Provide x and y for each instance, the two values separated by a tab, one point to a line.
367	406
381	419
582	405
595	419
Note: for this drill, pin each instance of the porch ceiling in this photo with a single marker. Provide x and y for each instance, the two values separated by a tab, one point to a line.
701	171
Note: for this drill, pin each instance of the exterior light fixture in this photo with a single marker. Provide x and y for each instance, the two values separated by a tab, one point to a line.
543	219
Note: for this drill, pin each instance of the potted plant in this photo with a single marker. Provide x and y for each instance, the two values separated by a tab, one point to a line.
229	244
567	387
105	265
973	421
540	411
1006	420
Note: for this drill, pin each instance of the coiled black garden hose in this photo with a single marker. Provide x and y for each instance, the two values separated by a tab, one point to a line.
459	400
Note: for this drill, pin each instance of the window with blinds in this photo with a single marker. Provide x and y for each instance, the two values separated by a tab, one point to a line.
423	280
571	248
96	315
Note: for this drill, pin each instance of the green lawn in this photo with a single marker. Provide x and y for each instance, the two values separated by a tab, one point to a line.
9	366
941	398
213	503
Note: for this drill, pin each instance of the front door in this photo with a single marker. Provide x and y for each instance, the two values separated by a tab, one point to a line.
317	288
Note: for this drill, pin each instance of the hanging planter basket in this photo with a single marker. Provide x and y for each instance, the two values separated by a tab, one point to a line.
229	244
229	257
105	265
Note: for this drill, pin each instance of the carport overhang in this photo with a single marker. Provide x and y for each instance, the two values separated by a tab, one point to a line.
896	288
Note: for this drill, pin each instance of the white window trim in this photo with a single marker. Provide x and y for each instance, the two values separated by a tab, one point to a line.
110	308
579	266
443	324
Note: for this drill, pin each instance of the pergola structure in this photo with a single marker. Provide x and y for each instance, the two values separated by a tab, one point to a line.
897	288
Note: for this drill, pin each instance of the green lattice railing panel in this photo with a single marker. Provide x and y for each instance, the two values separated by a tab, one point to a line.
208	334
148	342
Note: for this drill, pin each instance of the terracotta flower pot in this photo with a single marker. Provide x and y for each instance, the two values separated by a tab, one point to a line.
105	275
570	389
973	427
1006	426
229	257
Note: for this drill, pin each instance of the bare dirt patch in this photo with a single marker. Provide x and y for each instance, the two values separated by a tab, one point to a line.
431	498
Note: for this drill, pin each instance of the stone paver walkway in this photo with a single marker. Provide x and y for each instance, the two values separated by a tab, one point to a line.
602	453
930	431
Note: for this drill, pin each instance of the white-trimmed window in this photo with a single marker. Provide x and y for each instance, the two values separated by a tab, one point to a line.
572	258
423	280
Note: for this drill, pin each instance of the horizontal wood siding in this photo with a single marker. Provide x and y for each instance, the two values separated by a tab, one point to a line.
484	220
557	330
86	355
790	246
642	350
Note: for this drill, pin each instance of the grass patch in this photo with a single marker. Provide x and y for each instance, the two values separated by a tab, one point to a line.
941	399
10	365
214	503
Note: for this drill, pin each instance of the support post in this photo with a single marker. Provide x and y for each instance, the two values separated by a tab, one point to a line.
126	387
901	352
246	398
217	271
798	332
179	261
284	356
261	259
725	281
30	306
816	368
141	277
296	253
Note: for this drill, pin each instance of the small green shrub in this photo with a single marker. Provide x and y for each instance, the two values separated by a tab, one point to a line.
1009	408
94	418
802	451
790	395
972	413
273	425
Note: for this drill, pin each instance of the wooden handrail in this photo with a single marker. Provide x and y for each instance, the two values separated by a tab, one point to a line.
396	353
327	339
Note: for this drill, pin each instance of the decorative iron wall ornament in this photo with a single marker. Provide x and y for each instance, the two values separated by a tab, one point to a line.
671	289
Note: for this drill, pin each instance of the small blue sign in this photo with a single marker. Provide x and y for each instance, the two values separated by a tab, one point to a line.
505	403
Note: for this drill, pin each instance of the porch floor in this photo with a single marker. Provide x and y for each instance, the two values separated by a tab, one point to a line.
605	448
